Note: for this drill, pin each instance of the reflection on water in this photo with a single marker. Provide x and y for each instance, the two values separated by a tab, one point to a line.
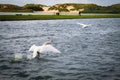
90	53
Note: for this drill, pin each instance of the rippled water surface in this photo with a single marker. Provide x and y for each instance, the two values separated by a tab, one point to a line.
91	53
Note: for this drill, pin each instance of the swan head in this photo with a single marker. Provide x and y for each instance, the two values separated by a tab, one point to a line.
48	42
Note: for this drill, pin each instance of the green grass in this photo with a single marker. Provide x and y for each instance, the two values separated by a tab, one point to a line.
49	17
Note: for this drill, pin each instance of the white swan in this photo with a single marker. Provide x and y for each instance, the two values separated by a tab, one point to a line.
46	47
83	25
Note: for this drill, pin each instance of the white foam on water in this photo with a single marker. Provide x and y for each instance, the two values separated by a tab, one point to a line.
18	56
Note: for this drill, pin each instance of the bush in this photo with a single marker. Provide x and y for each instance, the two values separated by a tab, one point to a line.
33	7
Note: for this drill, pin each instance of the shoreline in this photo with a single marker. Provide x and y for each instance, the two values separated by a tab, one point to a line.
53	17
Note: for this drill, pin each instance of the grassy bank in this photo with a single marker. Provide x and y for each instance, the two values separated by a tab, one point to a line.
49	17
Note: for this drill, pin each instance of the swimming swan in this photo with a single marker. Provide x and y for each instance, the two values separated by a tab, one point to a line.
83	25
46	47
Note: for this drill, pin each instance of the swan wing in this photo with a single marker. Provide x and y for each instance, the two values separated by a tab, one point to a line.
49	48
81	24
32	48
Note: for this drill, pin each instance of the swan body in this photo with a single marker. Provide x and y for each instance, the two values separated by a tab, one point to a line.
46	47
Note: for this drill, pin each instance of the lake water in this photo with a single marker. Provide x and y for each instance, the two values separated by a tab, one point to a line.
91	53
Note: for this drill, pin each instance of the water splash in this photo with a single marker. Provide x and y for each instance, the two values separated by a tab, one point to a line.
19	56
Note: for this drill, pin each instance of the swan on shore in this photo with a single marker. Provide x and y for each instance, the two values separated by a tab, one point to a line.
84	25
46	47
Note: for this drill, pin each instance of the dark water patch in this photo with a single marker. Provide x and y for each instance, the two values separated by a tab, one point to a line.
3	60
21	74
15	61
1	37
116	79
4	67
106	75
17	68
47	77
118	75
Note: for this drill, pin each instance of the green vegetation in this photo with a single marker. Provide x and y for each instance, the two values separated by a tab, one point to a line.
60	8
9	7
114	8
48	17
25	8
88	8
33	7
